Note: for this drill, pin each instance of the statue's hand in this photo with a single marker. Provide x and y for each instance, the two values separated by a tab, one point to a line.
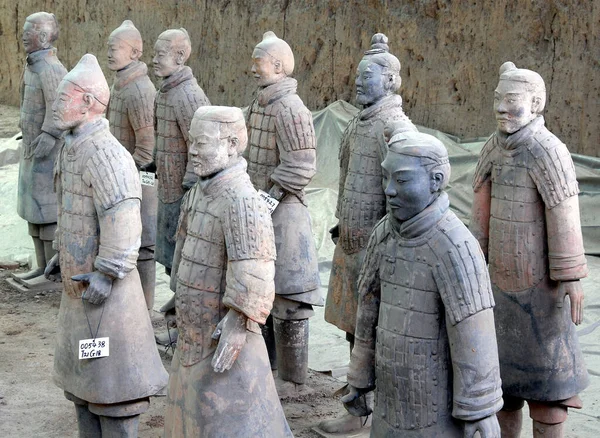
353	403
42	145
150	167
488	427
99	286
335	233
231	333
52	271
575	292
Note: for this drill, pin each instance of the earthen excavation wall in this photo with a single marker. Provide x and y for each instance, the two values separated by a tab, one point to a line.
450	50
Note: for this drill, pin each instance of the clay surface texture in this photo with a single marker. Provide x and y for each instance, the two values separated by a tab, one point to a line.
221	382
425	335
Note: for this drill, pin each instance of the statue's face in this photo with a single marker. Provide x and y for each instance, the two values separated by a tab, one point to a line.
407	185
69	108
119	54
209	154
31	38
264	69
165	59
370	83
513	106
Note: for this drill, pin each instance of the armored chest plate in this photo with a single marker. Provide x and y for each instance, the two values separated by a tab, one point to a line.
263	155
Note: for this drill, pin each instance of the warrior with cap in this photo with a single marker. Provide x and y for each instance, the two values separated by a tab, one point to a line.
130	116
97	239
526	218
361	201
425	335
221	383
36	200
281	162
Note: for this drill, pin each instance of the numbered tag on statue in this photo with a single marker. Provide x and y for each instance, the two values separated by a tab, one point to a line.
147	178
272	203
93	348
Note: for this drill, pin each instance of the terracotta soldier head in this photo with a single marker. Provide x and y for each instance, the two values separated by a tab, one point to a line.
39	32
171	51
82	96
519	98
272	60
124	46
218	137
378	73
415	172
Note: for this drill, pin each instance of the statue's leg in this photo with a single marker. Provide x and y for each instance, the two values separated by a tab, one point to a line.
88	423
269	337
147	270
511	417
40	256
120	427
548	419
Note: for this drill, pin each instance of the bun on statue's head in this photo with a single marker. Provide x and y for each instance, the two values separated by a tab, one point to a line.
379	44
380	55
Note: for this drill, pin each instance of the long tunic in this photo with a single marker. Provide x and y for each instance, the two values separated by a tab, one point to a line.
36	200
99	228
282	151
177	99
425	328
223	259
361	203
130	115
526	218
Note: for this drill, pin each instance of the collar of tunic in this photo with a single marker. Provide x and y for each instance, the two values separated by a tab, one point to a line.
276	91
185	74
129	74
388	102
220	182
419	225
38	55
72	141
511	142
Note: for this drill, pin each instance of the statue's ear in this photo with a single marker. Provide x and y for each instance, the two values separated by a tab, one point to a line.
180	57
233	145
88	100
536	102
437	179
43	38
278	66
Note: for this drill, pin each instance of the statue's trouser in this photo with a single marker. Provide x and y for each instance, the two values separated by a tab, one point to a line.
290	333
108	421
147	269
548	417
42	235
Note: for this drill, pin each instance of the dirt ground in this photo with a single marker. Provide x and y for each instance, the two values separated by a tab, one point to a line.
32	406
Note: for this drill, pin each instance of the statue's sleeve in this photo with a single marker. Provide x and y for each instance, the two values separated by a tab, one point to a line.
361	373
250	244
554	175
58	190
297	144
344	157
50	78
186	203
117	193
140	111
482	198
463	282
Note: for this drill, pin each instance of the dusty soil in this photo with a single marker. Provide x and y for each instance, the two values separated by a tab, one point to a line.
32	406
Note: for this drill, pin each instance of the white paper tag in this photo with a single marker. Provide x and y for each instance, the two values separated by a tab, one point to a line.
93	348
272	203
147	178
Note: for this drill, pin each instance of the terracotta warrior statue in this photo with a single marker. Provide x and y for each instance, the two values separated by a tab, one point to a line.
526	218
130	116
361	201
424	336
281	162
36	202
97	240
221	383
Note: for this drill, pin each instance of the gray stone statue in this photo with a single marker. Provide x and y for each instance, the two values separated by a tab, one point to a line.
36	202
425	337
130	116
526	218
221	383
105	358
361	201
281	162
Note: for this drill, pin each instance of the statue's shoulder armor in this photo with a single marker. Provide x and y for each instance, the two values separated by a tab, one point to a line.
188	97
552	168
247	225
381	231
484	164
460	270
139	100
111	172
50	74
294	124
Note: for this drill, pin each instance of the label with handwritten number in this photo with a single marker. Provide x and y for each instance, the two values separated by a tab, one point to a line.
272	203
93	348
147	178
